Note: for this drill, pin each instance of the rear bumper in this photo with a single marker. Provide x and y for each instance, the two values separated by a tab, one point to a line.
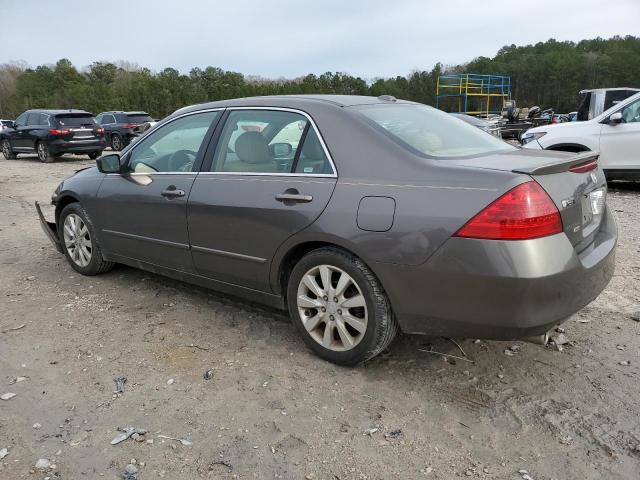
76	146
49	229
500	289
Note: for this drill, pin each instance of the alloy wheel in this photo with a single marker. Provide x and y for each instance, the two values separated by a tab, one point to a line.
77	240
332	308
43	153
6	149
116	143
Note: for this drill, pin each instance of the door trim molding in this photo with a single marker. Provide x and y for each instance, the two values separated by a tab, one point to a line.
131	236
224	253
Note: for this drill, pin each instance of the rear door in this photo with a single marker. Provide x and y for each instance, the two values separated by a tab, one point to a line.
620	142
270	176
142	214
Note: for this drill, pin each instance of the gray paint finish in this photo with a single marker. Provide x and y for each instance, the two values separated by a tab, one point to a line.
375	214
395	210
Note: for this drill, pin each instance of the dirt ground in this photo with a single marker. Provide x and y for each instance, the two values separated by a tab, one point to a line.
274	410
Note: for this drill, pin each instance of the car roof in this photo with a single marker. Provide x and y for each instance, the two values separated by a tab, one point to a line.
609	89
56	112
125	113
298	101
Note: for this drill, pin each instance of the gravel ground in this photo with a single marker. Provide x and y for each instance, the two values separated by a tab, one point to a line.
272	409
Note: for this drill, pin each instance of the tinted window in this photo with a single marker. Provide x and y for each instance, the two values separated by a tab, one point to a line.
75	120
135	118
121	118
429	132
22	120
173	147
108	119
33	119
631	113
259	141
43	120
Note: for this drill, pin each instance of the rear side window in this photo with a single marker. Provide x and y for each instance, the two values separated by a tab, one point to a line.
43	120
108	119
77	120
431	133
33	119
269	142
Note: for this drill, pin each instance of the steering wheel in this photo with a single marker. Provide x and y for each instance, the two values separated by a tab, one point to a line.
181	161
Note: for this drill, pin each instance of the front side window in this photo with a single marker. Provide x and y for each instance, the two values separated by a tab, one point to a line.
268	141
631	113
431	133
139	118
173	147
21	121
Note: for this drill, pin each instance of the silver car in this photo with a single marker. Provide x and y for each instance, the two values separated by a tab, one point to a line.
362	216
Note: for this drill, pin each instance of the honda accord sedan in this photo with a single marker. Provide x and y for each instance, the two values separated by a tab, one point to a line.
362	216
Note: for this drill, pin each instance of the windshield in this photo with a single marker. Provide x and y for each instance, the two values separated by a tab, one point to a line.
432	133
139	118
81	120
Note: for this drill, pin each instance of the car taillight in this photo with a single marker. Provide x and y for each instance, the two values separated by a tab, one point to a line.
524	212
585	167
129	125
56	132
99	131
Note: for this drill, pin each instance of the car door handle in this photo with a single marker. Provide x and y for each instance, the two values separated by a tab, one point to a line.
293	197
172	193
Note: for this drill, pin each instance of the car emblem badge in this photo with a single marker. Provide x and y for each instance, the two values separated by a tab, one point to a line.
568	202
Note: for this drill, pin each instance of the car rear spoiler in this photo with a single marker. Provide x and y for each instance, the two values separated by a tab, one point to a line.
559	166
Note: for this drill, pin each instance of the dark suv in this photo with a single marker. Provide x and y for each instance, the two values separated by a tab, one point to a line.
51	133
122	127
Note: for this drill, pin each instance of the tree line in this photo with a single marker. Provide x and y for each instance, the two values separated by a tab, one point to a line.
549	74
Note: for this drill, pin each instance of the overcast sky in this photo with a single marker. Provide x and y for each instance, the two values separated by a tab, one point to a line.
275	38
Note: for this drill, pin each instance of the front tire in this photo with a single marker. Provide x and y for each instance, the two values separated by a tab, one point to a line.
94	155
339	307
43	153
78	240
7	151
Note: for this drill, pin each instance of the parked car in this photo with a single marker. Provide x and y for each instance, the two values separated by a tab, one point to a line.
595	101
361	215
4	124
615	134
122	127
485	126
51	133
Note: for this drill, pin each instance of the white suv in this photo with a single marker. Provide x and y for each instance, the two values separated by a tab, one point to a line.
614	133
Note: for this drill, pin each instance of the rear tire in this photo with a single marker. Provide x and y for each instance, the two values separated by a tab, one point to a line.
43	153
7	151
94	155
117	143
78	240
347	321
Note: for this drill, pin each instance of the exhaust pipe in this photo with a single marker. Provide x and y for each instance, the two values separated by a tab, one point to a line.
542	339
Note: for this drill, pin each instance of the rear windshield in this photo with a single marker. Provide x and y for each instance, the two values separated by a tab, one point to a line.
139	118
75	120
431	133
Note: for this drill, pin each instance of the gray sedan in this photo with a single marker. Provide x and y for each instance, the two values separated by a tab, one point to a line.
362	216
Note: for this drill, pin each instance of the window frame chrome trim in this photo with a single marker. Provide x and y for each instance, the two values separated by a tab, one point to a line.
245	174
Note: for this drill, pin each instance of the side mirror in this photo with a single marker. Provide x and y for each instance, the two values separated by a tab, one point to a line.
11	124
109	163
280	150
615	118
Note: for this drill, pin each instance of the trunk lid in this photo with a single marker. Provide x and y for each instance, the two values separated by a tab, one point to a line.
579	195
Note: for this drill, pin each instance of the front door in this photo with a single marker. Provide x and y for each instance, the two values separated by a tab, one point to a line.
270	177
620	143
142	214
